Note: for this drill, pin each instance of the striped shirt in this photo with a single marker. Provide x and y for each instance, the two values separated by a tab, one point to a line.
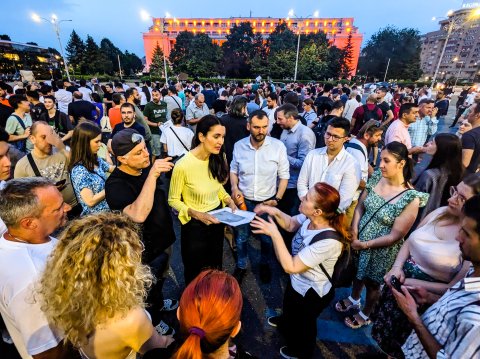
454	321
421	129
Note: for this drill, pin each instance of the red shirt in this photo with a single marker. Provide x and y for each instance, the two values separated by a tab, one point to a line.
115	116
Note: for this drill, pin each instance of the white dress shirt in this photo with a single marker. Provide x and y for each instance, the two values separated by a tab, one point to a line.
258	170
342	173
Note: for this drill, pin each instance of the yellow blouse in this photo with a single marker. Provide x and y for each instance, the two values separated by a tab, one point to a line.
193	187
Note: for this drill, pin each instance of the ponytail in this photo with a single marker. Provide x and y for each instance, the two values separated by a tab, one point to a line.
339	223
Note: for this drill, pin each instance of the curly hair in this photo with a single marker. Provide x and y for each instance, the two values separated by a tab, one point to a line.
94	274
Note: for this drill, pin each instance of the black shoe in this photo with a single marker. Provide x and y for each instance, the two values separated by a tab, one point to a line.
274	320
238	274
265	273
286	353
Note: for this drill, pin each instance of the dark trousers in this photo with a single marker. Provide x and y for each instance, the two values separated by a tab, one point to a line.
289	205
202	247
298	322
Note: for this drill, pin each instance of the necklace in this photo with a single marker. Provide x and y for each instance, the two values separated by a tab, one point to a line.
15	239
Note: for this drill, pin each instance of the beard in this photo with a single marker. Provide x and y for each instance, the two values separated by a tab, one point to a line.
136	101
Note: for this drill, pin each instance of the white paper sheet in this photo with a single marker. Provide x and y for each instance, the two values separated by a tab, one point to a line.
238	218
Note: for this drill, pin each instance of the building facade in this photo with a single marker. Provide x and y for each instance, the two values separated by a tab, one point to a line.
165	30
461	58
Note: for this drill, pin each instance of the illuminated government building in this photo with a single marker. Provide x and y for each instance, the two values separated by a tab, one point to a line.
165	30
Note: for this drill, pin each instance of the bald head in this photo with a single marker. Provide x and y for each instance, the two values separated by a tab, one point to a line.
77	95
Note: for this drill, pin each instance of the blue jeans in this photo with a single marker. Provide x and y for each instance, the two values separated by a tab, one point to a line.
242	233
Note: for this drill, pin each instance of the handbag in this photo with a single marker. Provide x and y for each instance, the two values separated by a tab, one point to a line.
176	158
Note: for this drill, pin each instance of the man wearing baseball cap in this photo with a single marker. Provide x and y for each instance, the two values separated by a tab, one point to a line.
134	188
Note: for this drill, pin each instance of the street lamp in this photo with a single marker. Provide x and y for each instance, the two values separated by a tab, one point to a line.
291	14
459	71
145	16
56	28
453	23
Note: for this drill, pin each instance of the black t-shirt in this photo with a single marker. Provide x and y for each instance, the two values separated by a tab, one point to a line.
59	122
235	129
471	141
122	189
220	106
80	109
5	112
385	107
108	97
121	126
37	110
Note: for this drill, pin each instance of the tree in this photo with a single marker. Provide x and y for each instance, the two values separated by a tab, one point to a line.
401	46
347	63
281	39
96	61
75	51
239	50
195	55
5	37
334	63
156	67
131	63
313	64
111	52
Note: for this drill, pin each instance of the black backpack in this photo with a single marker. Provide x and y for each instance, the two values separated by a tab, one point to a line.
341	276
319	130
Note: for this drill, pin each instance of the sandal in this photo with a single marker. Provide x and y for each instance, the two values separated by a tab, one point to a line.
352	322
341	307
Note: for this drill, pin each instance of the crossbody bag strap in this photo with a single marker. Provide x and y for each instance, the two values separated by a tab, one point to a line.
383	205
20	121
33	165
179	139
180	107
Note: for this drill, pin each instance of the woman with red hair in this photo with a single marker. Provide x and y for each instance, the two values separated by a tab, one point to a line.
309	290
209	315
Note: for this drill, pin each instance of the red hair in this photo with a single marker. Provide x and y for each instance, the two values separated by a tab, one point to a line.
211	304
327	199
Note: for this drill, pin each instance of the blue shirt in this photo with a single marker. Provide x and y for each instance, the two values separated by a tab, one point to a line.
95	181
299	140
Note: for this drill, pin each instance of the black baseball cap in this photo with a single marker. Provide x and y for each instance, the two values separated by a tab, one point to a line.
125	140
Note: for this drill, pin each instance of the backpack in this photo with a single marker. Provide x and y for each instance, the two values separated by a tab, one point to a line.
319	131
357	147
367	116
342	274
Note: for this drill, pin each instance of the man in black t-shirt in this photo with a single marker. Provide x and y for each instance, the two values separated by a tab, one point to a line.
384	106
80	110
134	188
37	108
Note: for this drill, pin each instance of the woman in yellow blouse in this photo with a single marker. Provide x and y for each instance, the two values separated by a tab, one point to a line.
197	188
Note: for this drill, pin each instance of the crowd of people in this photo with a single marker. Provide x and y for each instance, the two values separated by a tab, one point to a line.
93	178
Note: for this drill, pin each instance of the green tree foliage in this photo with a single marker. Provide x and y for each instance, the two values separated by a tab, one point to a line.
96	61
401	46
312	62
195	55
131	63
5	37
240	49
157	65
75	51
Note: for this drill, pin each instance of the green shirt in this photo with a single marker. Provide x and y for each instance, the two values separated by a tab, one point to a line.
156	113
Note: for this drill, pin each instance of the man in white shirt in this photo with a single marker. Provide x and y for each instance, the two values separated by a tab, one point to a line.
32	209
63	97
368	137
86	92
272	105
332	164
259	161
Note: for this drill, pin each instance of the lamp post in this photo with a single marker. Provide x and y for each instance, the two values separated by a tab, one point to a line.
459	71
292	14
56	28
145	16
454	22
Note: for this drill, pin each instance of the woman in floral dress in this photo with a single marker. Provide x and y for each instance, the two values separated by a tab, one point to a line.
385	213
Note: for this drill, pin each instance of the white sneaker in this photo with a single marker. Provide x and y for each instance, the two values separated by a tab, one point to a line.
169	305
164	329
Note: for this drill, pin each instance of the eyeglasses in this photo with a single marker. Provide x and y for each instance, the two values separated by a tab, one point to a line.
454	193
333	137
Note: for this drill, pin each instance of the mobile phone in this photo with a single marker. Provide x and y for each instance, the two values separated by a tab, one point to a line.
396	283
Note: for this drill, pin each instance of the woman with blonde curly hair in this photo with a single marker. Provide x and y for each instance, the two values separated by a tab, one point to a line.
94	288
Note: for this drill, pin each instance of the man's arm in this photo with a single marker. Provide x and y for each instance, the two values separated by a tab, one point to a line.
408	305
139	210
